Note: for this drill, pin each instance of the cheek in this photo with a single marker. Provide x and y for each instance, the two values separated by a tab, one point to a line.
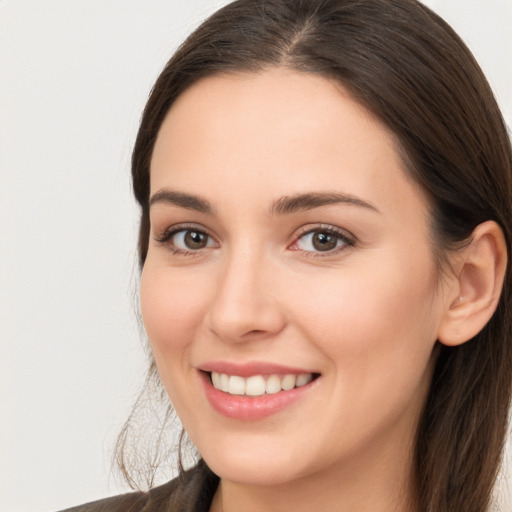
374	317
173	305
377	329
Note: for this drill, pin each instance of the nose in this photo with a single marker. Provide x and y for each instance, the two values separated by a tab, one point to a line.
245	306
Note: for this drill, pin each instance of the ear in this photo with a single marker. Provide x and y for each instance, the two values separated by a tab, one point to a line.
475	291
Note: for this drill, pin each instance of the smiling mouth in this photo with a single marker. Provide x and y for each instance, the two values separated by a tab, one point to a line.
259	385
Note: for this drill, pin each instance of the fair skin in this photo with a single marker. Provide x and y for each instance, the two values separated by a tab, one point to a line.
339	286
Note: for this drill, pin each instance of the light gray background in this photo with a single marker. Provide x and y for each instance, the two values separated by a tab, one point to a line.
74	76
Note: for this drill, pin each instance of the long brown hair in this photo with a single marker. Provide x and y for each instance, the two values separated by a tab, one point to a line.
409	68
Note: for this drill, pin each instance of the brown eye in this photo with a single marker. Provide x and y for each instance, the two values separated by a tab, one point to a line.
190	240
324	241
195	239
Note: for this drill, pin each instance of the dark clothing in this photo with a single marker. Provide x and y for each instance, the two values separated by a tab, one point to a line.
191	492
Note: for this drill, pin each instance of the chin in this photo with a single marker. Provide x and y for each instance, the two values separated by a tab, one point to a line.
262	473
256	465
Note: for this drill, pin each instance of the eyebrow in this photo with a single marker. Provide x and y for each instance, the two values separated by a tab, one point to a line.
308	201
188	201
282	206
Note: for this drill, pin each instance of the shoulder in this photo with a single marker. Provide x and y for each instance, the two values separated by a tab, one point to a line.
131	502
190	492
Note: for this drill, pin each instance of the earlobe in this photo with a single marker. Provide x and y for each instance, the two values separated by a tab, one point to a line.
476	291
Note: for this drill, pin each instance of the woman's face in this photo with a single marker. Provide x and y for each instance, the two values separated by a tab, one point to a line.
290	261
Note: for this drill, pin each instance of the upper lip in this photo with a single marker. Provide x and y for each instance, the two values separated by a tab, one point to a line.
250	368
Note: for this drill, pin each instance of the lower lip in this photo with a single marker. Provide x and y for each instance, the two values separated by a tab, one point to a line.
248	408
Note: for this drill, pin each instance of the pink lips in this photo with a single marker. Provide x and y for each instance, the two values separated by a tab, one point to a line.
247	408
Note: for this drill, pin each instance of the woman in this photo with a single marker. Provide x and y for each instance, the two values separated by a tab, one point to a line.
325	191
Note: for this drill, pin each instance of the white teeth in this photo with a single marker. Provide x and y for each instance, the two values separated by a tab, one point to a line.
273	385
258	385
236	385
224	382
255	386
288	382
303	379
216	380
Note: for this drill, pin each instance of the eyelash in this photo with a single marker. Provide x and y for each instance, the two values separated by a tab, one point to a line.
168	234
347	239
341	235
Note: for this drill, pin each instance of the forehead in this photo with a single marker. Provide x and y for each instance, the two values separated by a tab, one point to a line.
255	107
277	132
